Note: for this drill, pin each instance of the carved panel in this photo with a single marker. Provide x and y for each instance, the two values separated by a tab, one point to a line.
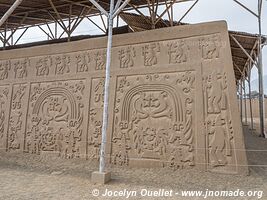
5	67
153	119
16	124
82	62
62	63
100	60
4	104
21	68
126	56
150	54
43	65
178	52
210	46
218	123
95	118
55	119
172	100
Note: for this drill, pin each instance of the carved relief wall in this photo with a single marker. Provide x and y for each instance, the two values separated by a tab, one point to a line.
55	118
4	98
172	100
153	119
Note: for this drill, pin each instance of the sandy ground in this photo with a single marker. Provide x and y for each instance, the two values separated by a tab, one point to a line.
24	177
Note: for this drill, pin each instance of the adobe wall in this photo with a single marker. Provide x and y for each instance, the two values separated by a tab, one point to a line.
172	100
255	107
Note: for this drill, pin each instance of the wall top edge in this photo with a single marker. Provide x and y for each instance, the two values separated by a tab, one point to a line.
118	40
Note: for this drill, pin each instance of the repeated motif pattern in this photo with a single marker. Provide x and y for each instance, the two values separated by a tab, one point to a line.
56	104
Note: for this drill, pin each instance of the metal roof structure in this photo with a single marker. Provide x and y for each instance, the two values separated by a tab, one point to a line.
36	12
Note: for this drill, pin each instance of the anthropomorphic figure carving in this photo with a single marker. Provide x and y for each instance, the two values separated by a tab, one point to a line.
210	47
15	124
214	90
100	59
217	141
2	112
20	68
178	52
150	54
121	157
2	120
43	65
4	70
16	99
62	64
83	61
126	57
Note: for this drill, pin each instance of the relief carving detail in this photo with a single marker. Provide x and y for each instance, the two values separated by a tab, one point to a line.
62	63
21	68
82	62
95	118
100	60
17	118
55	119
4	92
178	52
5	67
126	56
150	53
153	120
43	66
219	130
210	47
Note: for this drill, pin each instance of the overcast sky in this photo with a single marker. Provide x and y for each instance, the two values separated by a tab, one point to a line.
237	18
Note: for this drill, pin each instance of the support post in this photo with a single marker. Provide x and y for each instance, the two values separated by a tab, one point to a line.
259	65
241	101
106	91
102	176
245	102
250	103
260	74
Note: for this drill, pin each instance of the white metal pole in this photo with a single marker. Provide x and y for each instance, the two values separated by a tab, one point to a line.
260	73
99	7
241	101
119	9
106	93
10	11
245	102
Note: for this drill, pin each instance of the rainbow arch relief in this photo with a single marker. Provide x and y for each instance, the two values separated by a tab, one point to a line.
172	100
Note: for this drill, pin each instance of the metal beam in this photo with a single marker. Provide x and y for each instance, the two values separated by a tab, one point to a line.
242	48
99	7
163	13
245	7
118	10
188	11
21	35
10	11
117	4
104	31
